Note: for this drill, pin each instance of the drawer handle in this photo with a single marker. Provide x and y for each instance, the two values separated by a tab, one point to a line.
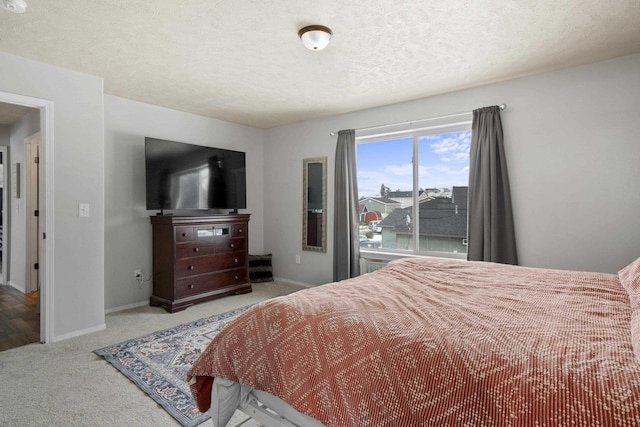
235	260
240	230
195	249
184	234
191	267
231	245
190	286
235	277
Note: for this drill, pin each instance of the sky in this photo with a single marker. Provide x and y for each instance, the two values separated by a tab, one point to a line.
443	160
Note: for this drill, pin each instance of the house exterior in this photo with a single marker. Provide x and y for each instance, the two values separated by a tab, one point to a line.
442	225
384	205
405	198
372	216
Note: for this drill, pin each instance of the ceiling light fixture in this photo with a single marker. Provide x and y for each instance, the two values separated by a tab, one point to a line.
15	6
315	37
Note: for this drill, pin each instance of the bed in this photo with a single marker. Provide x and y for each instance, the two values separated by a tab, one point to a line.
434	342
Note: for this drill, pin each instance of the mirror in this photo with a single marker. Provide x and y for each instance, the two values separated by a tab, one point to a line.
314	209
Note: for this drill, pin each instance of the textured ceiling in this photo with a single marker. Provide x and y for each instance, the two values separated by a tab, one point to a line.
242	60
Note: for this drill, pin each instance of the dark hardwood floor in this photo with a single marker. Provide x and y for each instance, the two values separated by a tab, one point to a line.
19	322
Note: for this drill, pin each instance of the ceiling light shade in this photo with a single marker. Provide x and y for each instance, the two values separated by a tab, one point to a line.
315	37
16	6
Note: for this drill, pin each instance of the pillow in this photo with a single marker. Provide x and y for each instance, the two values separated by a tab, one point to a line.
260	269
630	280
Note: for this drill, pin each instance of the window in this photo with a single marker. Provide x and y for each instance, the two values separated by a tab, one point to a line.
420	206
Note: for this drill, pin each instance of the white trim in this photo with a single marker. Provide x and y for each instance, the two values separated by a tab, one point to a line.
293	282
74	334
16	286
5	216
126	307
387	255
47	193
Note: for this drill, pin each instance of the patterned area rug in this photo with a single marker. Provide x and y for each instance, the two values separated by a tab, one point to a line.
158	363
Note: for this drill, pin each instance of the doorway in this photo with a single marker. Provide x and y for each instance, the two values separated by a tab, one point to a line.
19	289
45	208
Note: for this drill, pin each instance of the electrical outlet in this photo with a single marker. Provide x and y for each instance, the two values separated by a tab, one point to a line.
83	210
137	274
297	259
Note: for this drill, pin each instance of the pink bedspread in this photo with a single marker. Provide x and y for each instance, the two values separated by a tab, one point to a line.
429	341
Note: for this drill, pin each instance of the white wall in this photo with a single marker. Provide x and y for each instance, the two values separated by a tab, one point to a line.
572	140
77	267
127	227
27	126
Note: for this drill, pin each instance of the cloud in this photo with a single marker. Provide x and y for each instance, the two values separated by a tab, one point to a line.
452	148
399	170
396	177
449	167
443	175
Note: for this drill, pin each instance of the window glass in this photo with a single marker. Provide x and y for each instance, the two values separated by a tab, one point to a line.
394	191
385	168
443	182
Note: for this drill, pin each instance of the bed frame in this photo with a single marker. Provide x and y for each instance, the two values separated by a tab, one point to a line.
266	416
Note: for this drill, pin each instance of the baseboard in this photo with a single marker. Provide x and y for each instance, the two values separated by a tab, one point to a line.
16	286
293	282
78	333
127	307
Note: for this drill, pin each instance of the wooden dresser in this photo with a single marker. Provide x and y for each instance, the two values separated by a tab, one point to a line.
198	258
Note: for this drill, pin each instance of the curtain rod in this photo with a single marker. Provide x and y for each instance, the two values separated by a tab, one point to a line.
335	132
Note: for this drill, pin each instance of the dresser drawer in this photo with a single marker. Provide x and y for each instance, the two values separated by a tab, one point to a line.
185	250
207	264
211	233
231	260
184	234
239	230
228	245
209	282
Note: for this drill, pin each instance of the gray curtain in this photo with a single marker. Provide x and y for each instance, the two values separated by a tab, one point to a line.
346	244
491	232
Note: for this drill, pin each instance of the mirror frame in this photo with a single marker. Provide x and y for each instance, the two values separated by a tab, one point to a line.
305	204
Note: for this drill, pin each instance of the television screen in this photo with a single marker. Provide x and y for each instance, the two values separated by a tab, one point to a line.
182	176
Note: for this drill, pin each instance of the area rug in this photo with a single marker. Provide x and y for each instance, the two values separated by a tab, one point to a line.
158	363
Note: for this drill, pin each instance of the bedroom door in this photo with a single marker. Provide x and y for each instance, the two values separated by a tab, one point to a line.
32	172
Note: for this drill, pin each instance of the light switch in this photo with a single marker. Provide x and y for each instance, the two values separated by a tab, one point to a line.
83	209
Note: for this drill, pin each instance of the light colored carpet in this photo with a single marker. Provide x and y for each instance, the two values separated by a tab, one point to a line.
66	384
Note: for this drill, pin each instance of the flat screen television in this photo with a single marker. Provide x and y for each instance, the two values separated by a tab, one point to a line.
181	176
